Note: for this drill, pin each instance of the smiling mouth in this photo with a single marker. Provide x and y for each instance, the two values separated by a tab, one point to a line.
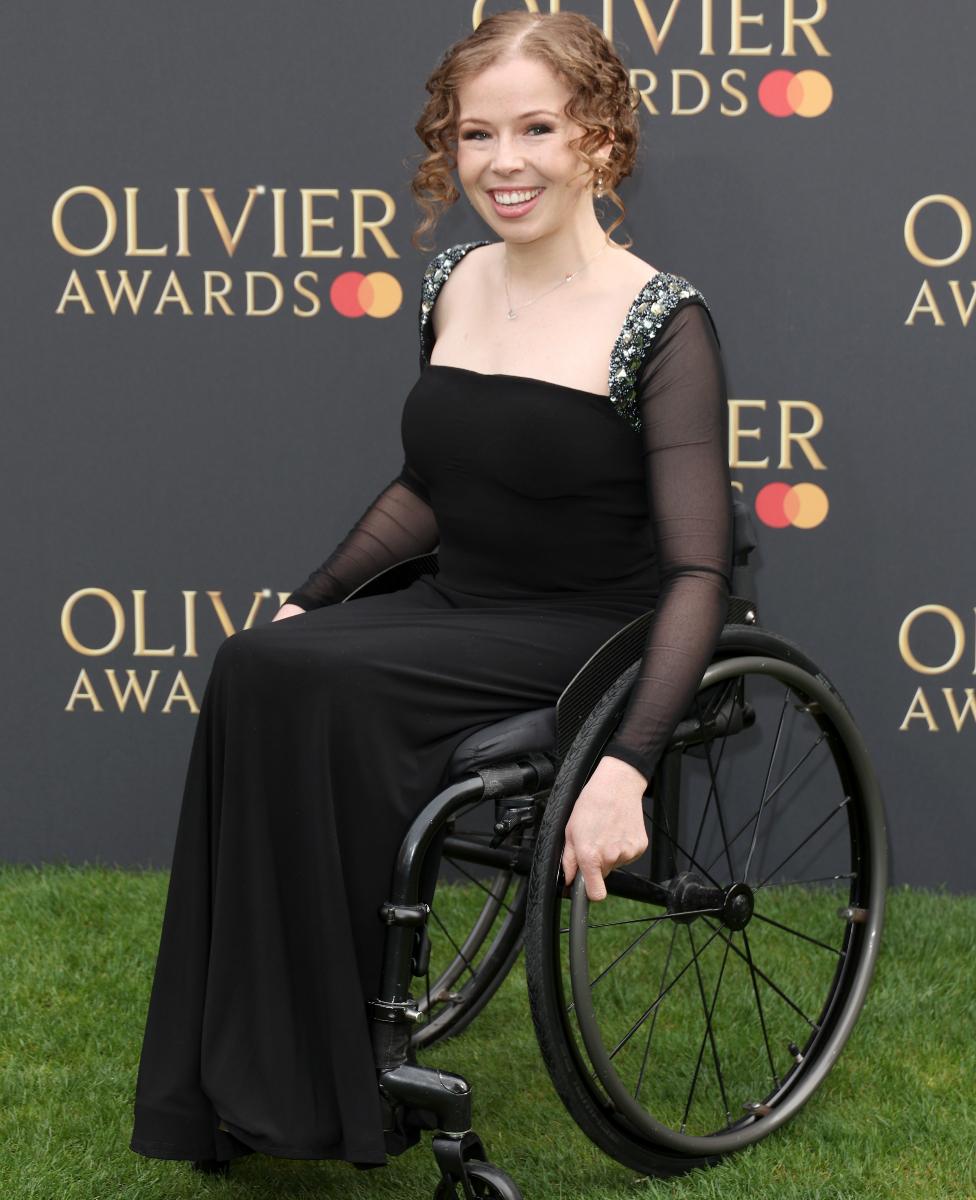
514	196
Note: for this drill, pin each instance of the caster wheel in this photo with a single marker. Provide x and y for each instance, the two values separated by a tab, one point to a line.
487	1183
211	1166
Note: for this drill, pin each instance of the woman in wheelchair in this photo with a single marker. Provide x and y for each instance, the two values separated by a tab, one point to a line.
520	669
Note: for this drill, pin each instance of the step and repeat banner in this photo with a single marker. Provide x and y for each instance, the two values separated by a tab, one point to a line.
211	327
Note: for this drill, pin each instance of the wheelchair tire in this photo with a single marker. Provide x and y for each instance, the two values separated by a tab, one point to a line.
487	1181
784	1047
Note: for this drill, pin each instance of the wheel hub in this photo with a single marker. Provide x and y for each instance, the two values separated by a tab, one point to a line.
690	896
738	907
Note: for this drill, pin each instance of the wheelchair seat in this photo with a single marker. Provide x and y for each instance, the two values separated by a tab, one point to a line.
525	732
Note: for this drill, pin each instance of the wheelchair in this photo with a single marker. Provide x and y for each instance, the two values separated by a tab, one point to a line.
703	1001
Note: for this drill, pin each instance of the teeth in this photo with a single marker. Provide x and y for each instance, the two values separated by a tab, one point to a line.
515	197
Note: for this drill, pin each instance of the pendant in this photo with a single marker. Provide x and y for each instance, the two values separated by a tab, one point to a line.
512	315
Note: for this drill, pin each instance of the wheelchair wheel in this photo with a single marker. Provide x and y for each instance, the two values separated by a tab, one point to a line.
474	933
697	1007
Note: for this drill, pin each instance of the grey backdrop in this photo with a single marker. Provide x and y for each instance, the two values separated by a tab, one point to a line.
167	451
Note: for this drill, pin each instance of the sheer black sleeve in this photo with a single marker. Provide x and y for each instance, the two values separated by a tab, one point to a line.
398	524
684	413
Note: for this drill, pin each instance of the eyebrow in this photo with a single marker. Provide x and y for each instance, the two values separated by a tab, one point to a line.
536	112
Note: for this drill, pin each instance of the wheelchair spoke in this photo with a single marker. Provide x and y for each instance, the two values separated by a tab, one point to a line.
782	783
759	1007
674	842
460	953
762	975
653	1005
692	912
650	1028
708	1035
713	791
833	812
769	771
796	933
821	879
474	879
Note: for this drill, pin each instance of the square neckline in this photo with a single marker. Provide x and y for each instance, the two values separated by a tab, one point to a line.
428	365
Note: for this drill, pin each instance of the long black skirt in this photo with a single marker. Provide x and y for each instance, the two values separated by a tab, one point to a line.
318	741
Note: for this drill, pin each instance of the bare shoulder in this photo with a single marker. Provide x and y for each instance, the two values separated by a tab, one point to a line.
467	278
632	270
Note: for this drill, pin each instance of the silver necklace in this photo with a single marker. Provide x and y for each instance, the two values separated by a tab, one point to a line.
513	312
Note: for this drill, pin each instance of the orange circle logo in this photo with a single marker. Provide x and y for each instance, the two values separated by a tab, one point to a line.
801	93
803	505
377	294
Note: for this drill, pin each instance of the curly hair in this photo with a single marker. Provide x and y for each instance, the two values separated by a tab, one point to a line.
603	101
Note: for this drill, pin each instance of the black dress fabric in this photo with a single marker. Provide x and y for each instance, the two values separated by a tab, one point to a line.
320	737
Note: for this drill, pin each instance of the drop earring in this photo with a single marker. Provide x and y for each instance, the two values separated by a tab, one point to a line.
599	183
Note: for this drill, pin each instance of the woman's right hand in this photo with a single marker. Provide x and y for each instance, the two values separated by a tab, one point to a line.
287	610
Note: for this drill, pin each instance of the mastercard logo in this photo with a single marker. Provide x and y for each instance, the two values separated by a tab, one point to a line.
803	505
795	93
377	294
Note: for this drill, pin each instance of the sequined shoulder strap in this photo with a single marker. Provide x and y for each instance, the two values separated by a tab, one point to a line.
657	300
438	269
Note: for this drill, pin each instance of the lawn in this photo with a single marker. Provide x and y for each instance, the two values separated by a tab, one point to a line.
895	1118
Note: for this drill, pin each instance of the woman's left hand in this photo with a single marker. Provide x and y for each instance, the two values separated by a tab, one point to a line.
606	828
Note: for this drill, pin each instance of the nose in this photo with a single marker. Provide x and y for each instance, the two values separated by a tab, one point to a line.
507	158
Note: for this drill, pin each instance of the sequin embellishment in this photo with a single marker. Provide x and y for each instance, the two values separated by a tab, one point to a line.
653	304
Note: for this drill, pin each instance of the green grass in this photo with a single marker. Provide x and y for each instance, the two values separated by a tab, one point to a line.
895	1118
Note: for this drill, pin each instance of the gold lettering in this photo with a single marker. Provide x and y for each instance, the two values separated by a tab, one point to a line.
74	293
727	77
964	309
57	223
83	690
135	301
311	223
645	92
211	293
919	710
140	649
676	77
278	209
965	230
904	635
316	306
931	305
132	686
791	22
190	623
178	296
180	692
132	228
787	436
251	309
360	224
654	36
230	241
182	223
969	707
736	433
67	614
739	19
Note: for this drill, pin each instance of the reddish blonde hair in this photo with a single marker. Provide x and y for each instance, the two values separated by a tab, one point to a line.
602	102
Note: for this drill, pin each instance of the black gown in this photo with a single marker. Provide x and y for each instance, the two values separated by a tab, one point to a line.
559	515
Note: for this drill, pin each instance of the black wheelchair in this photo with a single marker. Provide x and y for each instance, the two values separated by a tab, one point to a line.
696	1008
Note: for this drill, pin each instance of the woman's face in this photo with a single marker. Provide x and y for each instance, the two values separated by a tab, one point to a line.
512	136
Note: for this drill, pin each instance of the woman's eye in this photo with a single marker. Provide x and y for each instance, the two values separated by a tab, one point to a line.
473	133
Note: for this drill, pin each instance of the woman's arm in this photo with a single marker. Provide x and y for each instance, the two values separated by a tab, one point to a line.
684	411
398	524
